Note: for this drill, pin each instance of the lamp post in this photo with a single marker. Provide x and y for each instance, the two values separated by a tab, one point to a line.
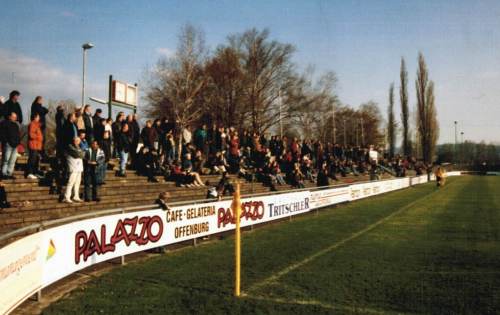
334	129
362	132
85	47
455	147
345	134
462	146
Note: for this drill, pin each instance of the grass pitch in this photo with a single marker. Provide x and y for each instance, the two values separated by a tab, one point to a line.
419	250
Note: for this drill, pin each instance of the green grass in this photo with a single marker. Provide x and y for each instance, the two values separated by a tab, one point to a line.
420	250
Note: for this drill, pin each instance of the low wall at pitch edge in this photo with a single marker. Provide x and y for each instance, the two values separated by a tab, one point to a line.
38	260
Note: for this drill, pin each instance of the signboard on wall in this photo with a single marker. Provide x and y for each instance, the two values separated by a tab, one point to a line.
124	93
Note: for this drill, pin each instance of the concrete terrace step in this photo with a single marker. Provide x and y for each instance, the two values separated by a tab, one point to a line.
17	217
134	190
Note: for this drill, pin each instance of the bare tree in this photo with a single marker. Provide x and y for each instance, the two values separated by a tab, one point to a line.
268	74
428	128
391	123
176	85
225	95
315	104
405	112
370	120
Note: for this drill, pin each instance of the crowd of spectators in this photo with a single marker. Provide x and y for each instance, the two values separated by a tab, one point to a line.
86	142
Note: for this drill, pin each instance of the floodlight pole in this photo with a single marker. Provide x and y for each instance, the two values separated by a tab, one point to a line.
345	134
455	147
110	96
85	47
334	129
362	132
462	146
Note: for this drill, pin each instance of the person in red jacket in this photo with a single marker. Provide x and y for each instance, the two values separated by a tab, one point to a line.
35	145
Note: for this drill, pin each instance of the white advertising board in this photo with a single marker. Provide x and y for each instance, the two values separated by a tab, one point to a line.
327	197
84	243
21	269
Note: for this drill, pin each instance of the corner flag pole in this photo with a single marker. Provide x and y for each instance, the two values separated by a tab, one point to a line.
237	213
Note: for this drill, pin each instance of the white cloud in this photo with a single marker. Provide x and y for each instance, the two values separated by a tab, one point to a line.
164	51
33	77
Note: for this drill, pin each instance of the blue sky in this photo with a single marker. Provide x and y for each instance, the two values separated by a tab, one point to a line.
362	41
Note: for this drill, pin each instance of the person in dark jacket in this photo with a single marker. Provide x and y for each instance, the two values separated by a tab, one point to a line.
96	119
60	119
3	197
116	128
93	159
99	129
322	179
123	149
146	164
224	186
12	105
149	135
38	109
69	131
162	200
88	122
134	133
11	139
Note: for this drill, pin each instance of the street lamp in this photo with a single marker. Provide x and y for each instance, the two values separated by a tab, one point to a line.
455	147
345	135
462	147
85	47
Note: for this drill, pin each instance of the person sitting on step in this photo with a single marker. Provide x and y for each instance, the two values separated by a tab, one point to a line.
3	197
162	200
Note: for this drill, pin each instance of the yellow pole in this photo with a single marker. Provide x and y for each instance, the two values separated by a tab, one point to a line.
237	212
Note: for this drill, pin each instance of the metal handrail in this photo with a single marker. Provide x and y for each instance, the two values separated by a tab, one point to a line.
49	223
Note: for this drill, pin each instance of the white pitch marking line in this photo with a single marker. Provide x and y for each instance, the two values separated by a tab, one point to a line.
344	308
276	276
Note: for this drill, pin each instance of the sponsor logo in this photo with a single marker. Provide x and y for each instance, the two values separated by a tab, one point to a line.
250	210
51	251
